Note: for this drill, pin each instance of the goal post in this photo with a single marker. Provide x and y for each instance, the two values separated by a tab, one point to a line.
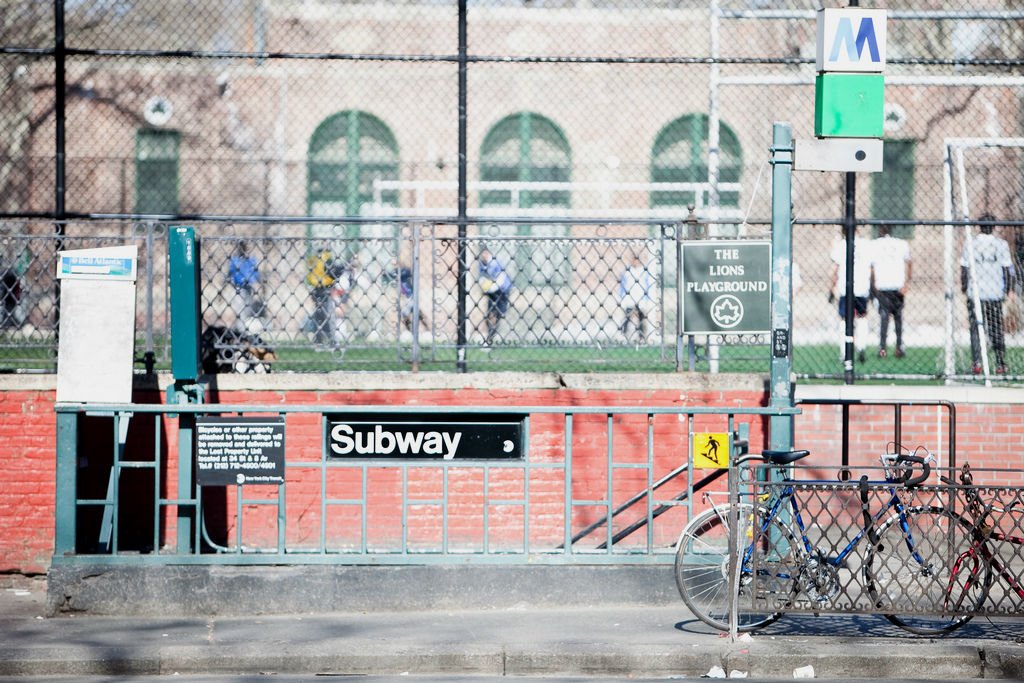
967	195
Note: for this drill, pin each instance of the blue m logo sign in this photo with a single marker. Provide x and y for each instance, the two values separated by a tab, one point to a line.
855	45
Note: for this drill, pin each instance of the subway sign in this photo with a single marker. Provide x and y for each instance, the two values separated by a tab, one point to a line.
851	39
425	437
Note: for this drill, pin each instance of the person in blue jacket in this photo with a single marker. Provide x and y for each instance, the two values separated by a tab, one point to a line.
403	275
496	285
244	274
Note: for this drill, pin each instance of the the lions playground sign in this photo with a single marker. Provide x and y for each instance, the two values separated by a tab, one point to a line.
727	287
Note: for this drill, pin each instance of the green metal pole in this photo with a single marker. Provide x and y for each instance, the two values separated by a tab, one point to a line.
781	394
183	278
66	484
186	488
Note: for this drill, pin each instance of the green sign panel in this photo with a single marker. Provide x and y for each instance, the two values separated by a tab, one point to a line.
727	287
849	105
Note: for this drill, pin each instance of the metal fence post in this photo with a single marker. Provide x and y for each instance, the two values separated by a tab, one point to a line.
734	559
462	266
66	493
59	171
415	324
149	358
694	230
781	395
679	299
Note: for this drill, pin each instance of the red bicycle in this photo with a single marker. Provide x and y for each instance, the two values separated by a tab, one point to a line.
976	567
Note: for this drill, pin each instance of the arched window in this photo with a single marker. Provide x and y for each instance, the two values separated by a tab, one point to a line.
527	148
347	153
680	155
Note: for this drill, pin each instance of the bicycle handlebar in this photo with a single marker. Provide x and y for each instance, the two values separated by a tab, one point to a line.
926	469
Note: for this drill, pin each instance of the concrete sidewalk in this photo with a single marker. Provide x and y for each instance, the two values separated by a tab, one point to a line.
607	641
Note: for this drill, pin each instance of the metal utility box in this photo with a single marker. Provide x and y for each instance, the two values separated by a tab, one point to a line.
97	324
183	252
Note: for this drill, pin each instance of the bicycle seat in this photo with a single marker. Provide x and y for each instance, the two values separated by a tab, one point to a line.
784	457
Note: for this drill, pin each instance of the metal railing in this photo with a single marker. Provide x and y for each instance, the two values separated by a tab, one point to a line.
573	497
932	553
431	198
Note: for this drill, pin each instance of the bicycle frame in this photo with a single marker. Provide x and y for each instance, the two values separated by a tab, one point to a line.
980	546
838	561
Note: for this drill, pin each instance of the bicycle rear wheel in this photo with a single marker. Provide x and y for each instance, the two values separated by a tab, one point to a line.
702	568
911	567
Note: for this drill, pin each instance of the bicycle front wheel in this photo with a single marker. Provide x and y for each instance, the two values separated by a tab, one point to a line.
922	564
702	567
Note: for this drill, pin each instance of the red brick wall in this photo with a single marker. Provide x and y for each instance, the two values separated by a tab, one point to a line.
27	473
989	434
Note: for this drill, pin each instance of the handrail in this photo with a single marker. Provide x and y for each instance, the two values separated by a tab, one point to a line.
662	509
219	408
897	405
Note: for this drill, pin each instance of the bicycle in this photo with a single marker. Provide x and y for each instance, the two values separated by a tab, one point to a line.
980	562
899	562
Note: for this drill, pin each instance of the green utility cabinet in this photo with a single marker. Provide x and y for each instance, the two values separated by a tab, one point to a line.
183	252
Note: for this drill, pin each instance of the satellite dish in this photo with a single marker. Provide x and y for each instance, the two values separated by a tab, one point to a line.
894	117
157	111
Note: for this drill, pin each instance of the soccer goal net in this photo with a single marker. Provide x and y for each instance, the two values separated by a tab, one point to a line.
982	176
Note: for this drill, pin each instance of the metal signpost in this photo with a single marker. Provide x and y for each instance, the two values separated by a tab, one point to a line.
97	343
848	119
849	103
780	389
184	288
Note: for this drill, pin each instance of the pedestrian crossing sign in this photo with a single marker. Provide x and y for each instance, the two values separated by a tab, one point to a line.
710	450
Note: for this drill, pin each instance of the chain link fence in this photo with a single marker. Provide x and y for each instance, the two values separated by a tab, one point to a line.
568	308
295	298
933	335
564	134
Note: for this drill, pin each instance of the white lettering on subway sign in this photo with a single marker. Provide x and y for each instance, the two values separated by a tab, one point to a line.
380	441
